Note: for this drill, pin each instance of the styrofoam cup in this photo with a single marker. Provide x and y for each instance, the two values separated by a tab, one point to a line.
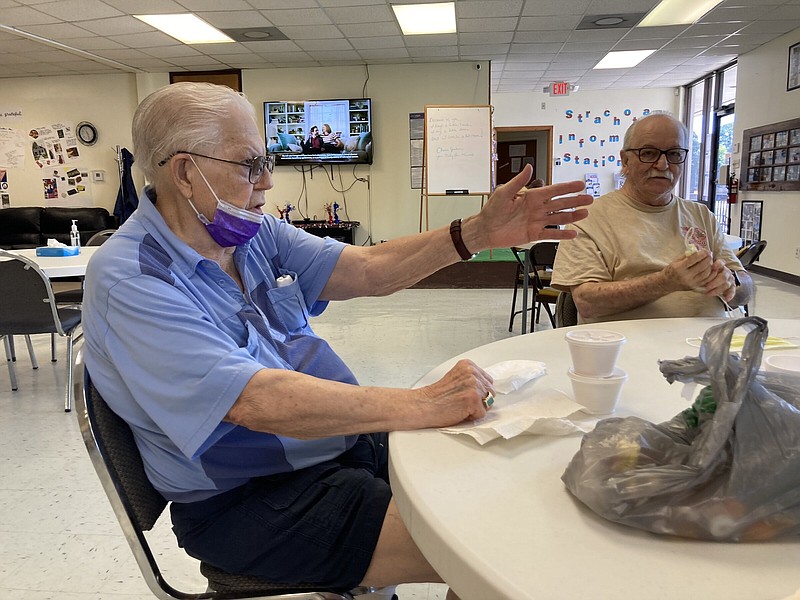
598	395
784	363
594	351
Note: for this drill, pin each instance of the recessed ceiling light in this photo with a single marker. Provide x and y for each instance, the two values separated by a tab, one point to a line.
623	60
420	19
186	28
677	12
606	21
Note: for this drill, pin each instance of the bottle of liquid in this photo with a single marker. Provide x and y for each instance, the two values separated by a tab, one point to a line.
74	235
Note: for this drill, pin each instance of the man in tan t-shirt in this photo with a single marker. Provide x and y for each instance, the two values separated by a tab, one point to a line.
645	253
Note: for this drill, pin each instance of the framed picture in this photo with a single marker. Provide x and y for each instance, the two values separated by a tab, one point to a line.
793	75
750	227
230	77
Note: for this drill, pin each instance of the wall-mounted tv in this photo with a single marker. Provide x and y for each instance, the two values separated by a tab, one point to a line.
303	132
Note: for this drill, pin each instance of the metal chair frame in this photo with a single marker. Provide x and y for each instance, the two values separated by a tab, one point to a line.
137	506
61	321
543	295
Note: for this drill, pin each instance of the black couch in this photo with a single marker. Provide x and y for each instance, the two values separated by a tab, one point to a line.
32	226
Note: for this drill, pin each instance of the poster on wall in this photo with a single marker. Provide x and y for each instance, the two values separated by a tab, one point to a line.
53	145
592	184
67	186
12	148
5	196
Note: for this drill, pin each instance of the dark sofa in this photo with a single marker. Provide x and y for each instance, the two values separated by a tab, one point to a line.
32	226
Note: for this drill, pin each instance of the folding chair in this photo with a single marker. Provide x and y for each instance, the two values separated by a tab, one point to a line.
27	306
137	506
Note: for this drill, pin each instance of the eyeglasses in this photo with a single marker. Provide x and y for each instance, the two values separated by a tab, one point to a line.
257	164
674	156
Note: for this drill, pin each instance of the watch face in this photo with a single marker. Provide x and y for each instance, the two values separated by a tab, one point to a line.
87	133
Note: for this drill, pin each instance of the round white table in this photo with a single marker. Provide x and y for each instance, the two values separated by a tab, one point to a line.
60	266
496	521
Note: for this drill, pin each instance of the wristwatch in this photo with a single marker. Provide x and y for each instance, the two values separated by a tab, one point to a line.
455	235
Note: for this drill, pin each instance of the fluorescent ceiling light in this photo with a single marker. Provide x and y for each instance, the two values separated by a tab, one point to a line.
187	28
677	12
623	60
417	19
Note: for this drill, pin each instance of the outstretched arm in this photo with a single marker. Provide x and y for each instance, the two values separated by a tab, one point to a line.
513	216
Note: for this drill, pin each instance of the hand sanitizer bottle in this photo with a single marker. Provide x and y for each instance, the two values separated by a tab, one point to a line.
74	236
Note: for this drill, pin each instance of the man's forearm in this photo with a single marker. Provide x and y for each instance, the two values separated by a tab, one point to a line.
597	300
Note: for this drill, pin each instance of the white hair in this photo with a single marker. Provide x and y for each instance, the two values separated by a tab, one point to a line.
184	116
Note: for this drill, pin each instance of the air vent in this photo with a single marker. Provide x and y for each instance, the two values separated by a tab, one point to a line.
612	21
255	34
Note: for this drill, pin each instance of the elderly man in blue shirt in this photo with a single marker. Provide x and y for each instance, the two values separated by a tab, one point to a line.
196	321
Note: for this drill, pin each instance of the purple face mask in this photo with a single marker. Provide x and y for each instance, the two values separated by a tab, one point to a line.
232	226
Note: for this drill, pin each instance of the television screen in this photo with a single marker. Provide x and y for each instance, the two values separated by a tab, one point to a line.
319	131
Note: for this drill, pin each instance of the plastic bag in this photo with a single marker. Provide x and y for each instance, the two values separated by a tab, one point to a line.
726	469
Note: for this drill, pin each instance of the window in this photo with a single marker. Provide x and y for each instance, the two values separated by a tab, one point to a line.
709	111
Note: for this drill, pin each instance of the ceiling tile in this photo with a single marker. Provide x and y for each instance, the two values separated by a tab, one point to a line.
79	10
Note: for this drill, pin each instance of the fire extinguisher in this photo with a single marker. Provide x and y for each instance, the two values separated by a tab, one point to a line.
733	189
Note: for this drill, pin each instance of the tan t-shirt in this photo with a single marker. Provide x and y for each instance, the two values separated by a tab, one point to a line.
622	239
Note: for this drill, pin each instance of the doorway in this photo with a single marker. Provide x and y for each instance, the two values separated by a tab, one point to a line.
518	146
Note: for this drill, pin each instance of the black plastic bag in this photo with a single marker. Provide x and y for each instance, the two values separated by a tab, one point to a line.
726	469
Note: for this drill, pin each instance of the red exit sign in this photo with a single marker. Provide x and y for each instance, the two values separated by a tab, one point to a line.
559	88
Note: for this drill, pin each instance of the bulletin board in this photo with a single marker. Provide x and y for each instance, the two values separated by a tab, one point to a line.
458	150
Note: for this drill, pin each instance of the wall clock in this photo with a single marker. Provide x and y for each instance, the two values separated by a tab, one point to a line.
87	133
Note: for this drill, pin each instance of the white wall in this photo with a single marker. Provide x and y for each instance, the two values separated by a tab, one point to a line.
762	99
387	203
591	118
107	101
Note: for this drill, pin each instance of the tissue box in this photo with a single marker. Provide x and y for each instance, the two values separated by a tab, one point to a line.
58	251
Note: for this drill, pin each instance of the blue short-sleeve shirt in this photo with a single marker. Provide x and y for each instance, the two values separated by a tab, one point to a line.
171	341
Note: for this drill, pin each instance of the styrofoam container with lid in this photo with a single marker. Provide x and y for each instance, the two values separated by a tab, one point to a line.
598	395
594	351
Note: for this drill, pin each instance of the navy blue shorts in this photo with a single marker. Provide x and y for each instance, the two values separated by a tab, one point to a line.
318	525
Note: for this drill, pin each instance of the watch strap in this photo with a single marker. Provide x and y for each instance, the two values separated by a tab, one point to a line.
455	235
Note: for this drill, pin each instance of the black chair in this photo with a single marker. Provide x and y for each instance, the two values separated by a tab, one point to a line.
137	506
750	253
747	256
27	306
541	257
539	275
566	311
74	296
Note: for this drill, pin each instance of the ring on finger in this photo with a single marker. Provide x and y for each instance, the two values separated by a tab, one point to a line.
488	400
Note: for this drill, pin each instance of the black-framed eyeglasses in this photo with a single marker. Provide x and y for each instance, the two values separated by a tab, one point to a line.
674	156
257	164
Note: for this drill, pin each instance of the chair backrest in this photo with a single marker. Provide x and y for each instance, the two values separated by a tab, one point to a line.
136	504
27	304
749	254
566	311
100	237
541	257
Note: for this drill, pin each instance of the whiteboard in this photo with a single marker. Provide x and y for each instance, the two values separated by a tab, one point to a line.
458	150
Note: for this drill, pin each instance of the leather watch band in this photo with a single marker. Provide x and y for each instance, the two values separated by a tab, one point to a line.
455	235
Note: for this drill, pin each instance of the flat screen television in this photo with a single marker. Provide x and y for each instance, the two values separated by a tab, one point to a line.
303	132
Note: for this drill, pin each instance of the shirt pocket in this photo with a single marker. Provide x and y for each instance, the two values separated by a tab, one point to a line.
289	304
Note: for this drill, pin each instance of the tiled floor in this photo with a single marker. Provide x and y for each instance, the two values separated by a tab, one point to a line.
60	540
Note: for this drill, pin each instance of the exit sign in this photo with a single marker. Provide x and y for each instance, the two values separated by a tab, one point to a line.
559	88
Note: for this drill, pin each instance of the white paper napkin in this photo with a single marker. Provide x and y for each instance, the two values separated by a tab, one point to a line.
525	408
